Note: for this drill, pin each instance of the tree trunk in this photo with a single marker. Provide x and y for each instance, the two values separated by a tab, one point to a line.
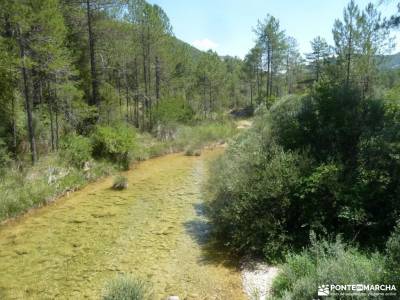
136	87
56	114
127	95
210	97
271	73
149	109
251	93
287	73
349	57
145	100
158	74
28	104
49	105
268	70
8	33
258	83
119	94
93	70
204	98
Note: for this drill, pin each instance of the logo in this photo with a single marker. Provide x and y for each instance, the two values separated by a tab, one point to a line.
323	290
357	289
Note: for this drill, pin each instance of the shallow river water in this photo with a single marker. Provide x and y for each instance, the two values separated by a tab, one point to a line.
154	230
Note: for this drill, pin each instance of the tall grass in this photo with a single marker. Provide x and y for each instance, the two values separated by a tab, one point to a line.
326	263
195	138
35	186
126	287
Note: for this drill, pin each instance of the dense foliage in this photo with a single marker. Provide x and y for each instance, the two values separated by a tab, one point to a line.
174	110
75	150
115	143
326	162
68	66
392	264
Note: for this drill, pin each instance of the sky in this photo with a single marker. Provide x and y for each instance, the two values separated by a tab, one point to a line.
226	26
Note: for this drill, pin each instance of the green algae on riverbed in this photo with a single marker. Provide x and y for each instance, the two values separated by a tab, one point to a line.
154	230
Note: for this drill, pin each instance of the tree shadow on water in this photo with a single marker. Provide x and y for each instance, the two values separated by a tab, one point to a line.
212	252
200	209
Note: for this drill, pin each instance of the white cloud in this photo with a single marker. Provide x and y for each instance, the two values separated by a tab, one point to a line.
205	44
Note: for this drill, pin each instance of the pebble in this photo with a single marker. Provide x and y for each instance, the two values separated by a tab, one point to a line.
257	279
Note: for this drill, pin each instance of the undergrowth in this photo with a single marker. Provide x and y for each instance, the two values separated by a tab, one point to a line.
81	160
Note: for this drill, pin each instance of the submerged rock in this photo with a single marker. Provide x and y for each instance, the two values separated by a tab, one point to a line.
21	251
120	183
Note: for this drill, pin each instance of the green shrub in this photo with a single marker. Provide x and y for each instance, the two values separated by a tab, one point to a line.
251	187
192	152
173	110
196	137
116	143
126	288
393	257
158	149
328	162
120	183
75	150
326	263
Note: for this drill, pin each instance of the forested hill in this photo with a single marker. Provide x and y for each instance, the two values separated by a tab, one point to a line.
391	61
68	65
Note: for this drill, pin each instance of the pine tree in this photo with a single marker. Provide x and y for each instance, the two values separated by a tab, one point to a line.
319	56
374	41
272	39
346	35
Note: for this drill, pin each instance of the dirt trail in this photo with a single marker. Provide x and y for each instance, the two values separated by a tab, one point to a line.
155	230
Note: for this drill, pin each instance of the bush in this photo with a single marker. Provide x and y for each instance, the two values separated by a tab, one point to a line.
116	143
174	110
197	137
192	152
327	162
75	150
120	183
393	257
326	263
250	187
126	288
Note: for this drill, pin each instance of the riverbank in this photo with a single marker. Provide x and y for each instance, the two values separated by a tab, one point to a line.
155	229
24	187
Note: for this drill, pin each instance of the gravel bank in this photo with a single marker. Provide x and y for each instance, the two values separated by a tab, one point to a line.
257	279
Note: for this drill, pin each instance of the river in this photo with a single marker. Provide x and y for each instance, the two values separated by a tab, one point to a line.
155	230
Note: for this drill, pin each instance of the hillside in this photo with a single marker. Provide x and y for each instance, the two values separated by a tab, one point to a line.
391	61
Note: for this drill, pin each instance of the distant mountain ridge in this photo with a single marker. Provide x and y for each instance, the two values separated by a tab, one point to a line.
391	61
